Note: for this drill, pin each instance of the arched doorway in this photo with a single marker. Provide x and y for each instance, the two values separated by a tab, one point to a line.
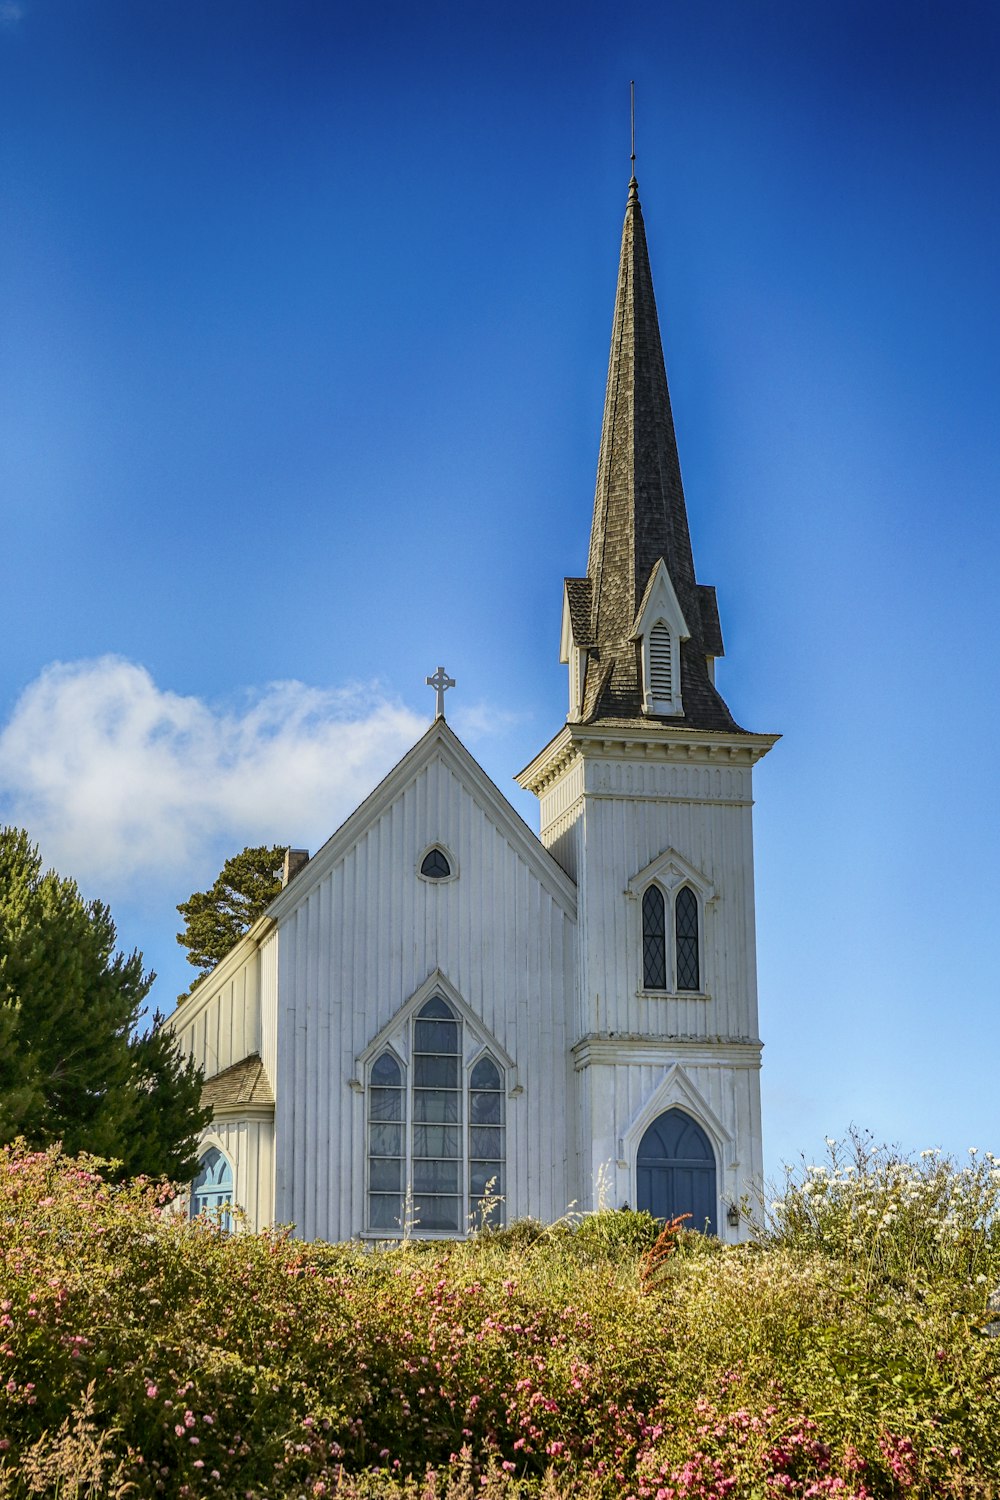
675	1171
212	1189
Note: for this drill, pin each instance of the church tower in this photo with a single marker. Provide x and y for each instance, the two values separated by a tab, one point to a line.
646	801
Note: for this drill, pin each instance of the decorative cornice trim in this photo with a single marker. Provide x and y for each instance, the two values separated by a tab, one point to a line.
249	1112
661	1051
657	741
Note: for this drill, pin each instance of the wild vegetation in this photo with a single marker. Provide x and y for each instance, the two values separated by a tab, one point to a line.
845	1351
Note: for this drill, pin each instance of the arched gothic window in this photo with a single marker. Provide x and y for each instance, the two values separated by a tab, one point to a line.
654	940
486	1144
672	965
212	1189
686	939
386	1144
435	1131
437	1117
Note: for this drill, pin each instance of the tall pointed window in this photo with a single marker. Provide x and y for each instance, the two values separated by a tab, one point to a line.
486	1144
686	938
671	939
386	1144
437	1117
654	940
436	1132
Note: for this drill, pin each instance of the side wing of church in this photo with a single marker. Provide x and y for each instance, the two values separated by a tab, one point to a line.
445	1020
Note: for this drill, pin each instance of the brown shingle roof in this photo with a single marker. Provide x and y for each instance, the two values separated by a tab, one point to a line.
579	598
639	510
244	1083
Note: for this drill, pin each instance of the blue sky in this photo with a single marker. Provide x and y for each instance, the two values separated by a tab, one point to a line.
305	317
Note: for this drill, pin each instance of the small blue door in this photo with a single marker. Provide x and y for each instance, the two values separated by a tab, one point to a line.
675	1171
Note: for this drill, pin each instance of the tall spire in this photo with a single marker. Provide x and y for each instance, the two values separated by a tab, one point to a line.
639	512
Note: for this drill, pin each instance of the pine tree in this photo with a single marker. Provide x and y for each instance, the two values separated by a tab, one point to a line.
216	919
73	1064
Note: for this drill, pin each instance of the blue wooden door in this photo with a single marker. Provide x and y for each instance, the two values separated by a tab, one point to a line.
675	1171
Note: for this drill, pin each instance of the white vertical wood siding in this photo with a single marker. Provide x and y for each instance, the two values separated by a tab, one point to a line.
621	1094
220	1024
269	1005
607	818
249	1145
561	809
361	943
633	812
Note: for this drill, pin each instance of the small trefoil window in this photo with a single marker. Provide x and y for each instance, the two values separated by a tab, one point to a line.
435	865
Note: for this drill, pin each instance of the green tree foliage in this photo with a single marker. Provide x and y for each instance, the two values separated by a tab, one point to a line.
73	1065
216	919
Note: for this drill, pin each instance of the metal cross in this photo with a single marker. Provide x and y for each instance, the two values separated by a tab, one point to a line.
440	682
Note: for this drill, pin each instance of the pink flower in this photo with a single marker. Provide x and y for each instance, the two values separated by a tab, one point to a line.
151	1391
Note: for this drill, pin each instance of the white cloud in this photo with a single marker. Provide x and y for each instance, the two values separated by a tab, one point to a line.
120	781
11	12
481	721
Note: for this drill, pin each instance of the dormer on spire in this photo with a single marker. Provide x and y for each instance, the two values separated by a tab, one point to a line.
640	522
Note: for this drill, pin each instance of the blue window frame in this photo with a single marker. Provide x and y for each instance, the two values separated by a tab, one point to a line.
212	1189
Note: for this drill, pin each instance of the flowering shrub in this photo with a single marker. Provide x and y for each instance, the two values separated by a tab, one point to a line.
841	1355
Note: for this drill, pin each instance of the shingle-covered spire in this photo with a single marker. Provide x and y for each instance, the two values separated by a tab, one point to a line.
640	515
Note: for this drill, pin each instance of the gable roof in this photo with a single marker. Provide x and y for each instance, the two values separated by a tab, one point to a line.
640	514
244	1083
439	742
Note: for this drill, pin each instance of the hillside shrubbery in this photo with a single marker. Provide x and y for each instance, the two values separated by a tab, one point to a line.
842	1354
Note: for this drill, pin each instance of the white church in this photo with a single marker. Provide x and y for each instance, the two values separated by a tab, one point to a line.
443	1017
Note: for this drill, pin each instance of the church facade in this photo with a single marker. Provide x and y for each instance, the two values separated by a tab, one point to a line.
444	1019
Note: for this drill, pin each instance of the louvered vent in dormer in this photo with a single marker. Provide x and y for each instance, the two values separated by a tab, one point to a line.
660	673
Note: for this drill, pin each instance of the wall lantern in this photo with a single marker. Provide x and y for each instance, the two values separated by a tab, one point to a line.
733	1216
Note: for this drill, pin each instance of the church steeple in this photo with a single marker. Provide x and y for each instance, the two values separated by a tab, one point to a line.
641	632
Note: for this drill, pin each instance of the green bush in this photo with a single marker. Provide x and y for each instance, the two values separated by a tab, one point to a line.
844	1353
618	1231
